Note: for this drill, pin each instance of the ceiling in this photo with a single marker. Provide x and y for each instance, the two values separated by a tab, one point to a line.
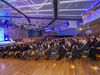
42	12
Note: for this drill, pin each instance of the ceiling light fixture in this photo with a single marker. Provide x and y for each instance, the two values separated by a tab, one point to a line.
30	5
41	14
25	11
70	15
11	0
35	5
39	6
72	9
61	2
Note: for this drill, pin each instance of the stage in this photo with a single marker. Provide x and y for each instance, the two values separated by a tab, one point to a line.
3	43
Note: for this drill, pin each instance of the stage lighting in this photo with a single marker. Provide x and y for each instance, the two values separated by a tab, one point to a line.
6	37
80	28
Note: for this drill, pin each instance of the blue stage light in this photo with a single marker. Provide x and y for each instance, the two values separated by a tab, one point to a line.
6	37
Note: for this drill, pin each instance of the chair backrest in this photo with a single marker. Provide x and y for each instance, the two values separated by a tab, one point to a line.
83	48
33	52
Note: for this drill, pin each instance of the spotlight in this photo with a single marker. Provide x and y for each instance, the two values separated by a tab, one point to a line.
80	28
6	37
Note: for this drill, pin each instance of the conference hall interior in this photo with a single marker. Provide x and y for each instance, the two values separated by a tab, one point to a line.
49	37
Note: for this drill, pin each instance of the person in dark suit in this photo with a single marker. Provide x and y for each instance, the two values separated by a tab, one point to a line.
97	45
61	51
92	52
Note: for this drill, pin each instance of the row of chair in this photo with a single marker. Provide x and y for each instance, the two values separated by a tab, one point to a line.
37	54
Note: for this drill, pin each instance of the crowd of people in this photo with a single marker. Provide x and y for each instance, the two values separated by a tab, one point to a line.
52	47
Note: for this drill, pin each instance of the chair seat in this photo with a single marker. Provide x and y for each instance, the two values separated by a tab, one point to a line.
53	53
69	53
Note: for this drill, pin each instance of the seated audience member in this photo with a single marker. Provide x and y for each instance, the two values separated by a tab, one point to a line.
61	51
75	51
